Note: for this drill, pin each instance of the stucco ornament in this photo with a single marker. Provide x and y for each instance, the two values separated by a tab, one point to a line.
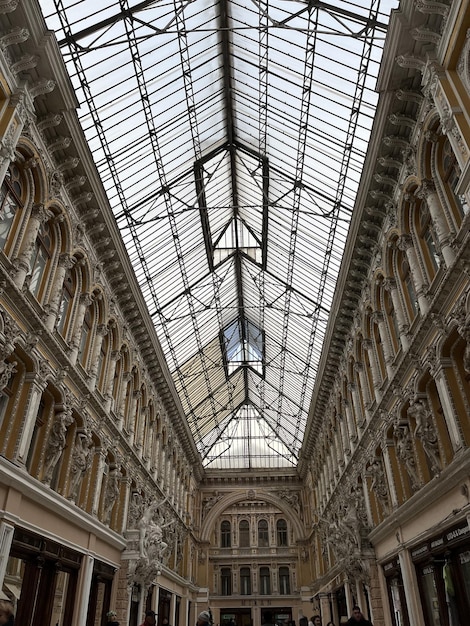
425	430
405	450
56	442
81	461
151	543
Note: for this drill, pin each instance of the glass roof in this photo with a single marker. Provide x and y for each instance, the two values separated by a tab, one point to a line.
230	137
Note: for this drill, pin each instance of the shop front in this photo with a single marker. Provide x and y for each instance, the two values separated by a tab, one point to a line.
442	568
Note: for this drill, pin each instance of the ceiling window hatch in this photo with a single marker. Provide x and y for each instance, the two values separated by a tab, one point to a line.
243	346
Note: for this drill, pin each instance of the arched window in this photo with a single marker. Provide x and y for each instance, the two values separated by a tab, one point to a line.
85	336
281	528
264	581
244	534
451	175
225	581
10	202
245	581
263	534
225	534
284	581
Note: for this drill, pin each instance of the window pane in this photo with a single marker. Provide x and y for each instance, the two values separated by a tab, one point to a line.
244	534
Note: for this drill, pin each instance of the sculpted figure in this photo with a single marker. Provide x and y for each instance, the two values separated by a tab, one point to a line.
379	484
112	492
151	542
426	432
56	443
81	460
405	451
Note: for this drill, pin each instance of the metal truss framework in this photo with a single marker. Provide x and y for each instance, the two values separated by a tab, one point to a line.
230	136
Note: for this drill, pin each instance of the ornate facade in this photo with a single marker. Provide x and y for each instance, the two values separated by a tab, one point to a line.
104	502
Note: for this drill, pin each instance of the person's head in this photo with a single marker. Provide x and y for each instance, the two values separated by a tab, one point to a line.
6	612
357	613
316	619
204	618
165	621
303	621
150	618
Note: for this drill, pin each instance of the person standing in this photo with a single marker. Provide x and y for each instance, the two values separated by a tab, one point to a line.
149	619
204	618
357	618
267	619
112	621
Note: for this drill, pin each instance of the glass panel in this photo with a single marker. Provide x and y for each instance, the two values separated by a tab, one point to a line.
284	581
430	599
219	230
281	532
100	597
13	580
264	581
245	581
263	535
244	532
60	597
396	607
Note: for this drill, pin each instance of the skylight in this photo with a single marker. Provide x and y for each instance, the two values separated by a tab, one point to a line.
230	137
243	346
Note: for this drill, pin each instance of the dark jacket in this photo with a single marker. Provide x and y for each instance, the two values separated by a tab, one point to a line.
362	622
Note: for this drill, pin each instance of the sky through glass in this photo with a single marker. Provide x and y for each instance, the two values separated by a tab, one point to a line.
230	138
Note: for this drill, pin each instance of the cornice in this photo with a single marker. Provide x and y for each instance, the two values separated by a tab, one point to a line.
450	478
17	478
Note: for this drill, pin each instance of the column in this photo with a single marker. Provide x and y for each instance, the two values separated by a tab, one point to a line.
101	332
438	371
6	538
391	286
350	422
428	192
359	367
65	263
344	437
38	384
83	591
349	598
85	300
133	420
379	319
389	472
98	475
357	407
410	585
39	215
121	401
405	243
325	609
125	505
109	386
13	121
156	456
376	378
